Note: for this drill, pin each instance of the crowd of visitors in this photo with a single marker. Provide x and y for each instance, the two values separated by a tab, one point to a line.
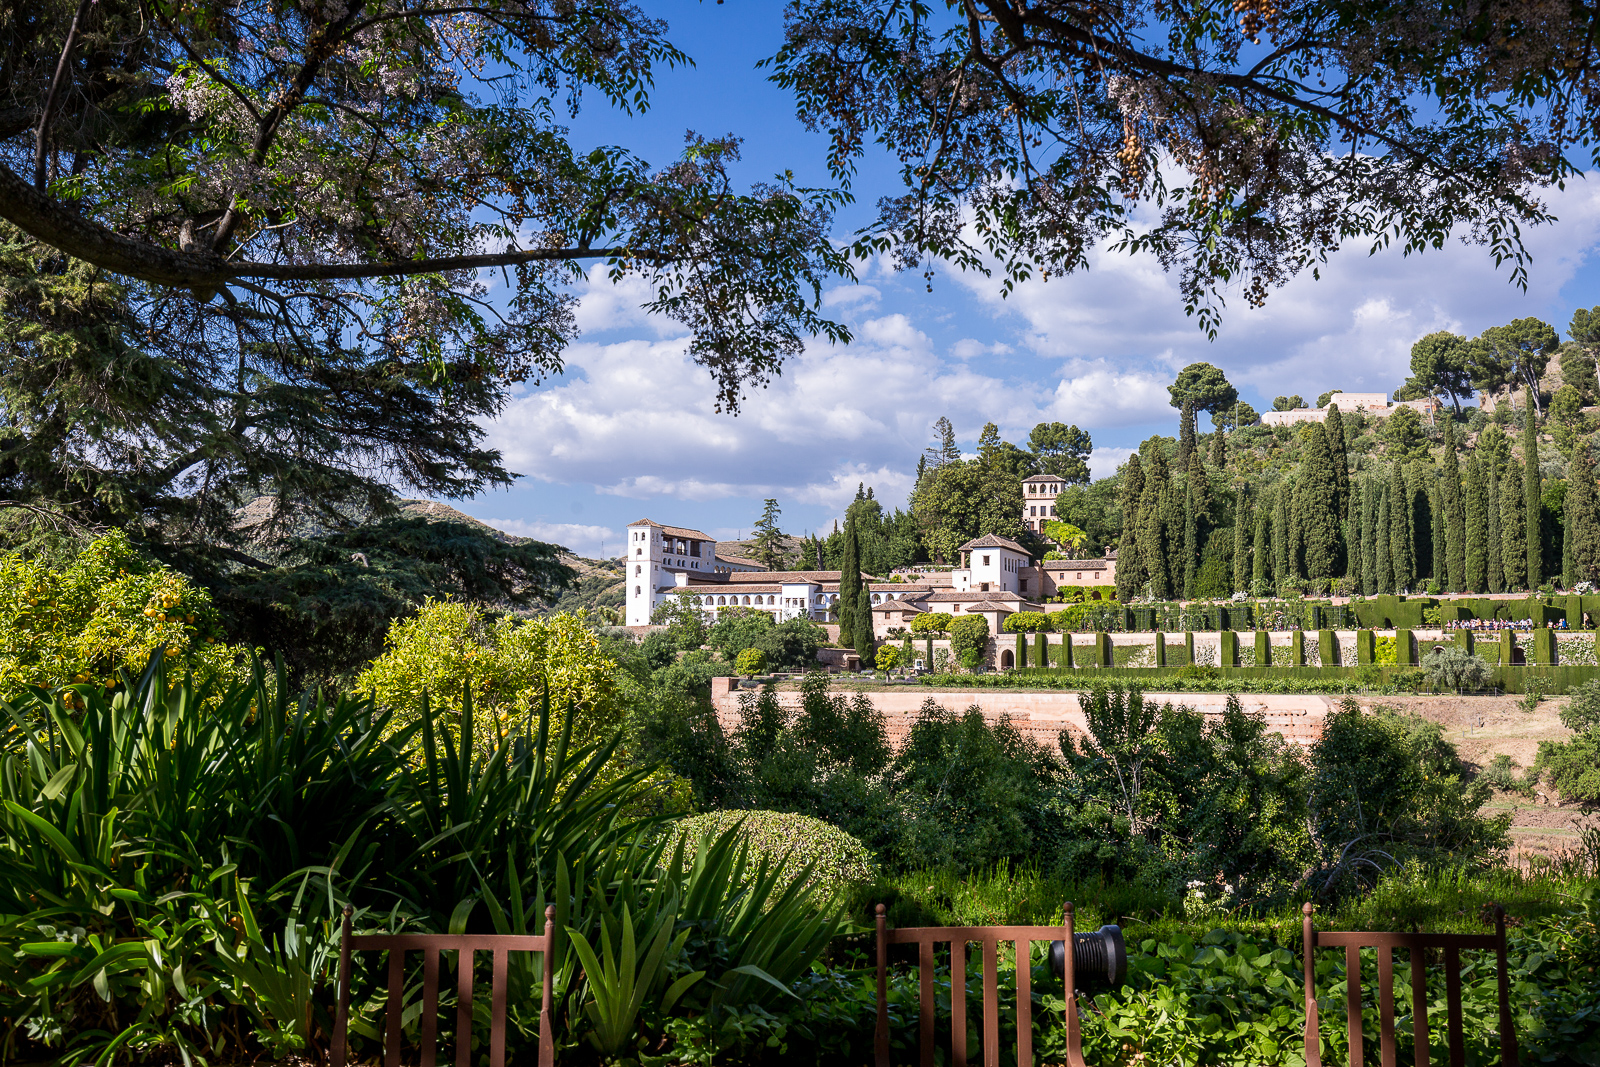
1501	624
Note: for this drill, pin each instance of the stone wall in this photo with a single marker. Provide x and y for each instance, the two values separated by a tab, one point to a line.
1043	715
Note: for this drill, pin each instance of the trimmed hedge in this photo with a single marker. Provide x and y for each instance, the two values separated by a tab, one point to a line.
842	862
1514	679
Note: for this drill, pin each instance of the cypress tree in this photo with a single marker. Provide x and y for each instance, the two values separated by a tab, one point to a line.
1476	507
1186	435
849	583
866	640
1385	557
1455	533
1369	530
1401	570
1241	545
1261	562
1496	579
1532	487
1219	450
1419	475
1151	528
1280	534
1196	516
1354	538
1583	521
1174	514
1513	544
1436	536
1296	536
1317	505
1339	449
1130	560
1568	539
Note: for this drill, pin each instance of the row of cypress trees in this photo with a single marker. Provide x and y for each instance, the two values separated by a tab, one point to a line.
1474	527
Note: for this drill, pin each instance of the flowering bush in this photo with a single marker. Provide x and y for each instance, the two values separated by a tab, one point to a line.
106	611
750	661
507	663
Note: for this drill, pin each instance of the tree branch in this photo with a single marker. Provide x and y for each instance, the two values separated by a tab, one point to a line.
50	101
54	224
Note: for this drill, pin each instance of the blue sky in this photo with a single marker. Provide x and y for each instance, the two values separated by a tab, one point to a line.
629	431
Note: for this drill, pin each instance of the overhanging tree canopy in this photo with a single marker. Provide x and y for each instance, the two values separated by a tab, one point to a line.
1294	127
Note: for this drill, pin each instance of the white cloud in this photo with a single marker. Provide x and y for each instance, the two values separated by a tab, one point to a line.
1103	463
586	541
1352	328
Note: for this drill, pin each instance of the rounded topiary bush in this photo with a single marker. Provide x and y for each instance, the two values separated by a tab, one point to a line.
842	862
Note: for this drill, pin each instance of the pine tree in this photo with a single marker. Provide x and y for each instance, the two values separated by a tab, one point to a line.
769	540
1385	564
849	583
1317	506
1261	556
1401	569
1370	492
1475	503
1152	539
1241	543
1280	534
1339	450
1582	517
1496	578
1219	450
1513	544
1532	487
1455	531
1186	435
1131	575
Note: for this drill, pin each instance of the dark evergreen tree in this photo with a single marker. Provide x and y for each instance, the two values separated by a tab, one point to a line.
1196	526
1441	573
1475	504
1532	486
1582	517
1354	538
1131	575
1513	543
1370	492
1151	529
1173	520
1419	482
1564	577
1401	569
1261	555
1339	450
1297	562
1280	534
849	583
1496	578
1455	532
1317	507
1186	435
1241	543
1385	556
1219	450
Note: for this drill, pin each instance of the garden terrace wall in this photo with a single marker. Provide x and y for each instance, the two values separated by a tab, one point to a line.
1386	612
1515	679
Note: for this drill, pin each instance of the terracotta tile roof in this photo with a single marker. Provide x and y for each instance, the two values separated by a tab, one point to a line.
718	590
988	605
992	595
814	577
1077	564
742	561
993	541
675	531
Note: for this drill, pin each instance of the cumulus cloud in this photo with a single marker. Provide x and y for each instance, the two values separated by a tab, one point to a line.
1352	328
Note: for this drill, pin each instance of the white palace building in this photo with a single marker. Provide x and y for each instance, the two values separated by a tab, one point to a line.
995	579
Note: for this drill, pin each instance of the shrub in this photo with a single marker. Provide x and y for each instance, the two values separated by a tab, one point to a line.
106	611
932	622
507	663
737	629
888	657
1573	767
751	661
970	633
1450	667
791	841
1027	622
